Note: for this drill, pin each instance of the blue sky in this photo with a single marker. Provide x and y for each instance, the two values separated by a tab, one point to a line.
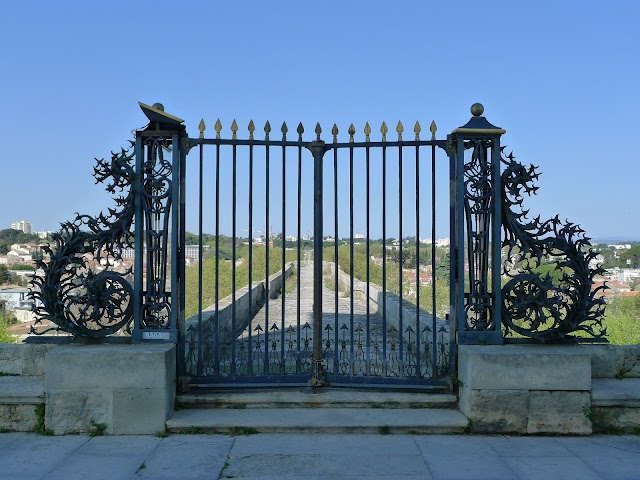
560	77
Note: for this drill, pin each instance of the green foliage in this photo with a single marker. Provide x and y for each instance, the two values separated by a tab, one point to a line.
9	236
39	427
20	266
98	429
226	274
235	431
631	258
6	321
622	320
4	274
161	434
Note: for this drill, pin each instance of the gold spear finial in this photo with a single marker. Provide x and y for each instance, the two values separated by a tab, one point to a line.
334	132
417	129
252	128
383	130
433	128
202	127
234	130
318	131
218	128
367	132
352	132
399	129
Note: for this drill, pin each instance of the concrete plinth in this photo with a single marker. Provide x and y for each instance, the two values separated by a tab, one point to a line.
130	388
526	389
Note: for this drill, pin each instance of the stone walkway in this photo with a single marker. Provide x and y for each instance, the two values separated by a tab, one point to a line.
261	456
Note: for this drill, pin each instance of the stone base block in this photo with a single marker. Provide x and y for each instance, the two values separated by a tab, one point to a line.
495	411
130	388
524	367
565	413
18	418
616	420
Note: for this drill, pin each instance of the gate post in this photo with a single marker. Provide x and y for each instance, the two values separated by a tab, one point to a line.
160	153
476	231
318	150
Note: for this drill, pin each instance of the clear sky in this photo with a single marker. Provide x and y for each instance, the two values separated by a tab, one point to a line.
560	77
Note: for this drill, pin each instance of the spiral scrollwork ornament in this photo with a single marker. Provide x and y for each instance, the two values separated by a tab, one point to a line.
75	295
548	295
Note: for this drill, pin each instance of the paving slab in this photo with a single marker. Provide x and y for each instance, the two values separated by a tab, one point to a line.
296	466
321	420
200	457
108	458
612	457
551	468
34	456
528	447
337	444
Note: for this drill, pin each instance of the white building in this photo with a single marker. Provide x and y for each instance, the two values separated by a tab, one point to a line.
22	225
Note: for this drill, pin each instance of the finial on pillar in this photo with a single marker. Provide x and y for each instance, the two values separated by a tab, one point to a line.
477	109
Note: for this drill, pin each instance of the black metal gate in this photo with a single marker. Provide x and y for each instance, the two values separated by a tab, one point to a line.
350	330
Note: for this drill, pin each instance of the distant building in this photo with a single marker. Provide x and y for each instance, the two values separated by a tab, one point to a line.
22	225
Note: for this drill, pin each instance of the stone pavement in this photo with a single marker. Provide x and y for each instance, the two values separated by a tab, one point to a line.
262	456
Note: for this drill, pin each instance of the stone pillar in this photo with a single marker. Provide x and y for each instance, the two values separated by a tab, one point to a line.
130	388
526	389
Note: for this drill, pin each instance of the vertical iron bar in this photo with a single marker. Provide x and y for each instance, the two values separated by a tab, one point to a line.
335	259
351	275
233	263
217	290
175	232
298	361
181	263
418	261
318	152
200	191
460	234
384	256
400	264
433	259
266	261
138	284
250	267
496	243
282	272
368	299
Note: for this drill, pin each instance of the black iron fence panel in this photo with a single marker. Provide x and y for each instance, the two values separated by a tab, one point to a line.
318	301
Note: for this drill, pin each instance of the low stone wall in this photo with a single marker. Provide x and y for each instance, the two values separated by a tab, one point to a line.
21	385
244	311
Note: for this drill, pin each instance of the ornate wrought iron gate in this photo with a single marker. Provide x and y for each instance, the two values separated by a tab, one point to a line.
380	334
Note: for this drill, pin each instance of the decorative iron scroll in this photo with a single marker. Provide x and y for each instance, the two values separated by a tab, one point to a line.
549	294
477	208
71	294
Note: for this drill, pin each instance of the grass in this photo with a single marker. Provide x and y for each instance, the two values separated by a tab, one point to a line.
98	429
5	374
40	427
225	276
622	320
235	431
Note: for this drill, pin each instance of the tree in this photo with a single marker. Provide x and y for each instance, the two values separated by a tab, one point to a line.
631	258
4	274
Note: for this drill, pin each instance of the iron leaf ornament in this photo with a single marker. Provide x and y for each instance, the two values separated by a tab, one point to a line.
71	293
548	295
